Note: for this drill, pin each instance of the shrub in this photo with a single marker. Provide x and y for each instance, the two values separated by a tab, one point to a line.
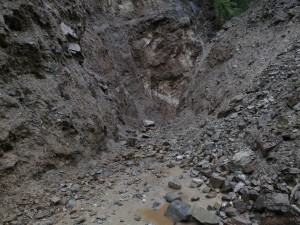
226	9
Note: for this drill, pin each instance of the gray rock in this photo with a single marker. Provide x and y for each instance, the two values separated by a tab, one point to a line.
264	119
67	30
149	123
196	183
172	196
239	186
226	186
211	195
80	220
74	48
229	197
194	173
137	218
221	214
253	194
297	107
195	198
241	160
237	98
234	115
267	143
294	171
230	211
216	181
178	211
174	184
203	215
276	202
239	176
240	205
240	221
55	200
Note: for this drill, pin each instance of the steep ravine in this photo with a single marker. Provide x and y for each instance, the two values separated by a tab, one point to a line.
75	75
79	77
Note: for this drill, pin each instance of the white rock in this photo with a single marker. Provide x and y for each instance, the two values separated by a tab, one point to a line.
74	48
148	123
67	30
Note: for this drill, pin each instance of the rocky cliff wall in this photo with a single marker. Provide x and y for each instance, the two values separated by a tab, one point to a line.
74	72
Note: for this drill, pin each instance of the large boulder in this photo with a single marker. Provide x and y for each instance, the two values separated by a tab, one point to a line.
276	202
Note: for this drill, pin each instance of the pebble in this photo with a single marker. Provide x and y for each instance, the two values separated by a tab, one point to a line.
55	200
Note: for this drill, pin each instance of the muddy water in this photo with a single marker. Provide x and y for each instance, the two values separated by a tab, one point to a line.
157	216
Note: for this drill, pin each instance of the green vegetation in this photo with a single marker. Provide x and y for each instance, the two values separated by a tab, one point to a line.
296	84
226	9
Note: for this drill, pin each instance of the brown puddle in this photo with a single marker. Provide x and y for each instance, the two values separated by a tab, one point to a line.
158	218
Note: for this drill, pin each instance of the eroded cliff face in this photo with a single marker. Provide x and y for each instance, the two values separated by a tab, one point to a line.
153	46
74	72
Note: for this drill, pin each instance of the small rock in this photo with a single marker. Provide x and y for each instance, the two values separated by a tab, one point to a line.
74	48
194	173
229	197
297	107
174	184
237	98
264	119
211	195
294	171
137	218
131	142
234	115
253	194
80	220
178	211
239	186
196	183
172	196
226	186
217	181
221	214
240	221
266	144
240	205
203	215
230	211
241	160
55	200
67	30
195	198
101	180
149	123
